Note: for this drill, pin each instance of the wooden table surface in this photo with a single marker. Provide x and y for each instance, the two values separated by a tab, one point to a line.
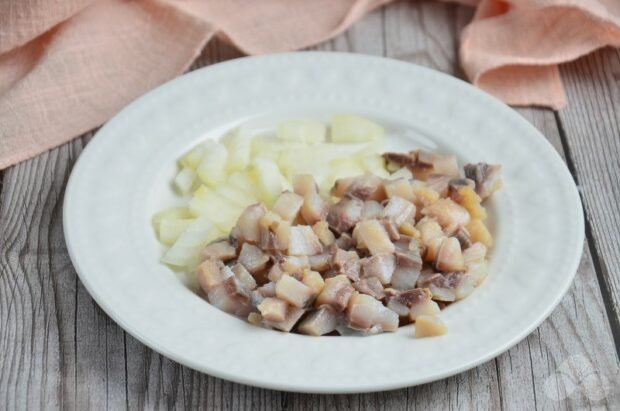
59	350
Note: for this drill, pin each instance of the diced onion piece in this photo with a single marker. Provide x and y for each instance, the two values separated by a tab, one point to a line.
171	228
345	167
401	173
219	210
296	146
349	128
185	252
175	212
371	159
239	146
212	168
376	147
375	164
340	168
269	180
307	131
286	183
296	162
244	182
206	201
193	157
266	148
184	180
234	195
313	160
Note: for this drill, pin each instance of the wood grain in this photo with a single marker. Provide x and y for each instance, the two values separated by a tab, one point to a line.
37	288
591	129
578	316
59	350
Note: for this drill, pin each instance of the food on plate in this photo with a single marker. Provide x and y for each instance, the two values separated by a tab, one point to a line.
321	232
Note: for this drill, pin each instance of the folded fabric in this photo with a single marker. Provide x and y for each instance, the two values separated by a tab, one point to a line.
66	66
512	48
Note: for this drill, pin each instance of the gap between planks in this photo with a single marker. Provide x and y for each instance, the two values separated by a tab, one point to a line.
591	122
602	276
1	184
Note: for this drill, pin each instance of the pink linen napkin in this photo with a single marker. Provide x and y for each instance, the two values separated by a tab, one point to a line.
66	66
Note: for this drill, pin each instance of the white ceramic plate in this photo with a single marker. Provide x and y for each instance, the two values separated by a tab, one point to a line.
123	175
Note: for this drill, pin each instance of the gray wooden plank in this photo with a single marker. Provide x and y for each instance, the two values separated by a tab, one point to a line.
577	330
154	381
58	349
21	298
591	126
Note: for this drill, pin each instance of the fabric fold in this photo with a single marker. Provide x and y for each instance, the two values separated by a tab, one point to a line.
86	72
511	50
